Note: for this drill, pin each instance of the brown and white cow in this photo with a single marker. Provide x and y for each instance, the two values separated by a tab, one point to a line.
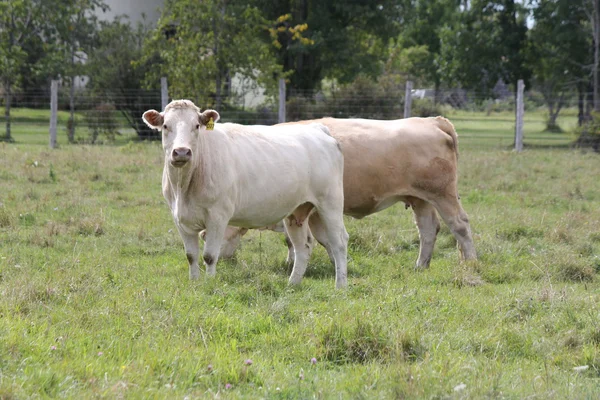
250	177
412	160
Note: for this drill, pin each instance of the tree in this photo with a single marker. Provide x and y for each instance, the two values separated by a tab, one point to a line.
558	52
117	72
422	23
19	22
204	49
484	44
74	25
350	38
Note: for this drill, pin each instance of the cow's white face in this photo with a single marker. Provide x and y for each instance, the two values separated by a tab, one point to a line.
180	123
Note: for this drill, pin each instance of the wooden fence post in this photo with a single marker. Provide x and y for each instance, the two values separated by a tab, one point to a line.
408	99
520	112
53	112
164	92
281	111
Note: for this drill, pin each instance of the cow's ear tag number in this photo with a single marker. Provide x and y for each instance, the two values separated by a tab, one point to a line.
210	125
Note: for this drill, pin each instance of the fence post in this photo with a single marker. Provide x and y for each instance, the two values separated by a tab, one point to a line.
408	99
281	111
164	92
520	112
53	112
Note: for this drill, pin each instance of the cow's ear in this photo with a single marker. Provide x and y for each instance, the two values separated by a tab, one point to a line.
153	119
207	115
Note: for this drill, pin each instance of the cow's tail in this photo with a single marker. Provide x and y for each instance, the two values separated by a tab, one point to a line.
448	128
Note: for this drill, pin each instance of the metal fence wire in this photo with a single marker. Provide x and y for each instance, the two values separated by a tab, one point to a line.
104	116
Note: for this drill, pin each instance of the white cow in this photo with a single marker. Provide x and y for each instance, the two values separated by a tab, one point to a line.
250	177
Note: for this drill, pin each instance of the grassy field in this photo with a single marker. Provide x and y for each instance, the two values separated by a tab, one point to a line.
95	299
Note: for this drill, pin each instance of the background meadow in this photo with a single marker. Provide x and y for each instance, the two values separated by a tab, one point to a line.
95	299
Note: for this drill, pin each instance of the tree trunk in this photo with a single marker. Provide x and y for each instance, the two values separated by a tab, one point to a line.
7	98
552	126
596	32
71	124
580	104
589	104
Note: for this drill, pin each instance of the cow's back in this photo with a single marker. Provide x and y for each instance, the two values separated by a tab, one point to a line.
386	161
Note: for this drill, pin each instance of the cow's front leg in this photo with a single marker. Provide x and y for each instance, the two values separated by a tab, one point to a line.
192	250
215	230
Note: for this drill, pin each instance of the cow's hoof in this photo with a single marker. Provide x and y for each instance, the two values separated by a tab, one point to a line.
294	281
341	284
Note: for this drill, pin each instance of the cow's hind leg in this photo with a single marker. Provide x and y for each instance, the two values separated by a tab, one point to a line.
297	235
310	242
429	226
457	220
192	250
329	226
320	234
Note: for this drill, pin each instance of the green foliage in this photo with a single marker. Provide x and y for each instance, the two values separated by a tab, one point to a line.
201	51
350	38
117	71
484	44
588	135
558	52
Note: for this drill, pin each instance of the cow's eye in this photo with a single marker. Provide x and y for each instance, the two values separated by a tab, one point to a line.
198	126
165	127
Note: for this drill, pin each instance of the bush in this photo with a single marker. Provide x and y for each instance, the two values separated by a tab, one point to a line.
588	135
427	108
101	121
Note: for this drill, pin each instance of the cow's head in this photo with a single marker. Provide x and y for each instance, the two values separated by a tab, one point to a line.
181	123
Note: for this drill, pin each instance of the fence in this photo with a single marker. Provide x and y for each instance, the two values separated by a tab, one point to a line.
116	114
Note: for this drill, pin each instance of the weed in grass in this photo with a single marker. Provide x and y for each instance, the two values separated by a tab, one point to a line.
594	336
466	274
52	174
91	226
358	342
575	270
5	218
411	347
571	340
594	237
27	219
517	232
41	240
54	228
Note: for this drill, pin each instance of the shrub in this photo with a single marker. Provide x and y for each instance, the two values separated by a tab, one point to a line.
101	121
588	135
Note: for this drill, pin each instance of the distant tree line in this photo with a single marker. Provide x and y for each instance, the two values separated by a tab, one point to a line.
200	45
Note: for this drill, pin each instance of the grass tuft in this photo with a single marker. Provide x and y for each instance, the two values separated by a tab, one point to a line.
91	226
6	220
359	342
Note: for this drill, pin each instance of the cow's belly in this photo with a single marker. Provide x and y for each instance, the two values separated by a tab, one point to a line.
266	213
372	205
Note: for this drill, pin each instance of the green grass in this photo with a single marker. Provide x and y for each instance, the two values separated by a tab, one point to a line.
95	299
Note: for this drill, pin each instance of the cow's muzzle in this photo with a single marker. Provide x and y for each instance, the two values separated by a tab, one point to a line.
180	156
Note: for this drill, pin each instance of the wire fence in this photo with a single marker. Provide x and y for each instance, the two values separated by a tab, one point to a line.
115	115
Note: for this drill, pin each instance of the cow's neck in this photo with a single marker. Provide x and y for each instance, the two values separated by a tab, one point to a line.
182	180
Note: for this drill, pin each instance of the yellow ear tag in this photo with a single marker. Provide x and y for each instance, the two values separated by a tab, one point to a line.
210	125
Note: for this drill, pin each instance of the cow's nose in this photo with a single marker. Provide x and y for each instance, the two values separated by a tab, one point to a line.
181	155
